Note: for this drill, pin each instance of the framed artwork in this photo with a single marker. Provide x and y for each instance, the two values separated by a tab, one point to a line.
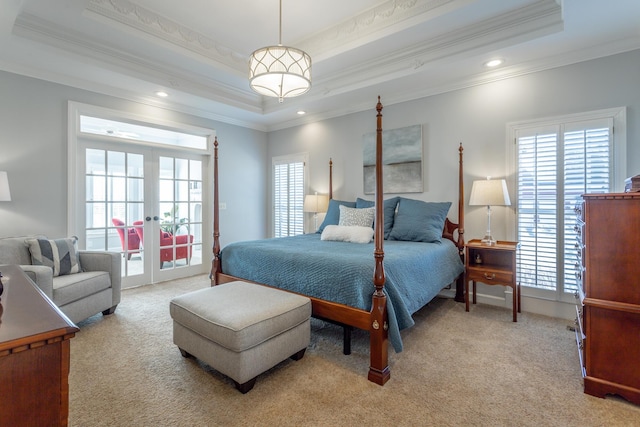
401	157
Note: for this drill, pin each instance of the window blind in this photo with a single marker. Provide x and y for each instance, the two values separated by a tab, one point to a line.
554	168
288	200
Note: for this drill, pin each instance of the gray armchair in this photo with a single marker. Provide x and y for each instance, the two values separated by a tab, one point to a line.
80	295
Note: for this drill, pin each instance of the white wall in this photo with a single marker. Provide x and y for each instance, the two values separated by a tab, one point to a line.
33	150
477	117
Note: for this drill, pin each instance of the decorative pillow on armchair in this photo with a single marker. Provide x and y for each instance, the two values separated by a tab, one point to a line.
59	254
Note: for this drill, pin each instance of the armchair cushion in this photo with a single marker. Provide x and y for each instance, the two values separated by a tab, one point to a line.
59	254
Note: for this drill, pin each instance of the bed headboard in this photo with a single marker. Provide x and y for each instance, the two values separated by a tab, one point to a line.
452	231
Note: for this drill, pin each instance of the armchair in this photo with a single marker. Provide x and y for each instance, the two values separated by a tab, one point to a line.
182	252
132	242
166	244
96	289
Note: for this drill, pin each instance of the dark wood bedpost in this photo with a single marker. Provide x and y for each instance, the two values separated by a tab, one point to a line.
460	242
215	262
330	178
378	330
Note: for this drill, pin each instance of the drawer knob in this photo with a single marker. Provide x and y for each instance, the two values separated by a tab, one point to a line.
489	276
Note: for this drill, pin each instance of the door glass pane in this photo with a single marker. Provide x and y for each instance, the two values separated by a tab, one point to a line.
135	165
95	162
180	203
114	201
166	167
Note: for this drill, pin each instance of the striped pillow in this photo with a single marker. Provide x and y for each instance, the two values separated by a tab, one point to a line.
59	254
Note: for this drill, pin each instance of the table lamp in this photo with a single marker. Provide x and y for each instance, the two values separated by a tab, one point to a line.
316	203
489	192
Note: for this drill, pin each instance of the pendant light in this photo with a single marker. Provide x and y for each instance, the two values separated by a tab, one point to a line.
280	71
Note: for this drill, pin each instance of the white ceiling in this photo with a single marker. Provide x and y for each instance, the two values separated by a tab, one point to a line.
197	50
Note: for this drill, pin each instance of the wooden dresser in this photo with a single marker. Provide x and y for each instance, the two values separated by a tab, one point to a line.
608	309
34	354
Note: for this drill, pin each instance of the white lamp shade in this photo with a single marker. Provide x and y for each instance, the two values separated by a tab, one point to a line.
489	192
280	71
5	193
316	203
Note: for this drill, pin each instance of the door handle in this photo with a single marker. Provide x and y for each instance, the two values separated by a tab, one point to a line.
155	218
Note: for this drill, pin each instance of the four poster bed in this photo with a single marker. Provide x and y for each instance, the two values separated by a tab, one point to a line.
345	285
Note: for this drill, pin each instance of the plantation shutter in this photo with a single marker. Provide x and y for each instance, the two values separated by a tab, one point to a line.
537	209
288	200
555	166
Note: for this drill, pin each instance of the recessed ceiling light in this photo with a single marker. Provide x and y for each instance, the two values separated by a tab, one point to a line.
302	113
162	94
494	63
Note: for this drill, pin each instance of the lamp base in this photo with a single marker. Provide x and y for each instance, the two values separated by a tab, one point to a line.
488	240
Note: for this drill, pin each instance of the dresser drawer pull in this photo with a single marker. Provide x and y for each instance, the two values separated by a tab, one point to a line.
489	276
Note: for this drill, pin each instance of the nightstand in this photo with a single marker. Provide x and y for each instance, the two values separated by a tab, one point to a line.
493	265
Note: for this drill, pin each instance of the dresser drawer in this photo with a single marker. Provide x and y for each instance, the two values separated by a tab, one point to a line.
486	275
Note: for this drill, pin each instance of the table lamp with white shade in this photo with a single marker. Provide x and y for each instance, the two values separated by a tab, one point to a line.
489	192
316	203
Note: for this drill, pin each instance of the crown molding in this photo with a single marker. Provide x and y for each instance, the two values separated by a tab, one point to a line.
527	23
374	23
69	43
127	13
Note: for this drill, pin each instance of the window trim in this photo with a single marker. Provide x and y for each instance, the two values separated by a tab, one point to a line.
619	147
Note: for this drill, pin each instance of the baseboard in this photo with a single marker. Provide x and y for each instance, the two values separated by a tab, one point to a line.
530	304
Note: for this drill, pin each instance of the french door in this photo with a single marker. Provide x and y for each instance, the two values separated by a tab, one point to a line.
145	203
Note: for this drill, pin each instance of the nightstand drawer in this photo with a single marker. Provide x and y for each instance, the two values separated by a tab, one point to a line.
488	275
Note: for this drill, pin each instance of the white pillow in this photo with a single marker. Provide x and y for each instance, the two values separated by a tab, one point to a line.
347	233
362	217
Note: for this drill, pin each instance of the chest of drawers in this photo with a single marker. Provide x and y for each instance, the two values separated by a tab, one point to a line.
608	296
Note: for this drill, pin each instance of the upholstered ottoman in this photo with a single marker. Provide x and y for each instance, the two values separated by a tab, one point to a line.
241	329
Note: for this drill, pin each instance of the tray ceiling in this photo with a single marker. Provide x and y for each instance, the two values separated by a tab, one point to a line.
197	50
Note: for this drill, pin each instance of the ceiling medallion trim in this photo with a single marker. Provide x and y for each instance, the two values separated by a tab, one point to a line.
127	13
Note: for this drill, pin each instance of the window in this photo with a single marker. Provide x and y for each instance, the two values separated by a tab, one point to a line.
288	195
129	131
555	162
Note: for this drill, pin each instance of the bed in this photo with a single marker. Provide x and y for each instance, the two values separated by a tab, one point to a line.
346	284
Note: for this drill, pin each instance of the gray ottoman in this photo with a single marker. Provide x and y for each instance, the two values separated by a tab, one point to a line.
241	329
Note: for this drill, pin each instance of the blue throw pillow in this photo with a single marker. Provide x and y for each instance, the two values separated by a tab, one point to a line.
333	213
418	221
389	212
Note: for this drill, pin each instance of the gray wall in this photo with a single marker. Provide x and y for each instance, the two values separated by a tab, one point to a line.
477	117
33	150
33	143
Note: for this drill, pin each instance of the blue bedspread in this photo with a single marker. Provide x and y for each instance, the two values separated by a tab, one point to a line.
343	272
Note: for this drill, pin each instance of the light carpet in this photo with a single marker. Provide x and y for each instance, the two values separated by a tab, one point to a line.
457	369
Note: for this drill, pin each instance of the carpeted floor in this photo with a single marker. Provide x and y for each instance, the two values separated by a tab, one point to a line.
457	369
